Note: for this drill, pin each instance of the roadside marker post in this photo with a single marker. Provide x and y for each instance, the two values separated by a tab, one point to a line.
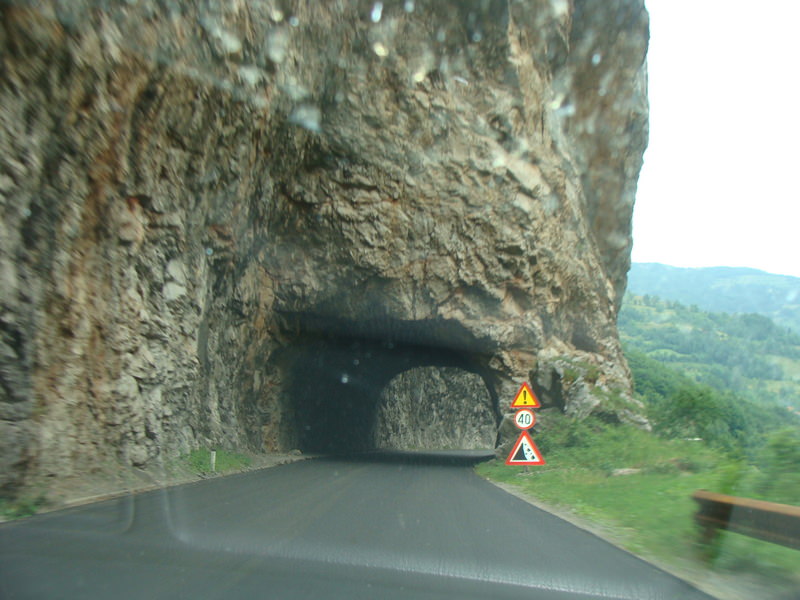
524	452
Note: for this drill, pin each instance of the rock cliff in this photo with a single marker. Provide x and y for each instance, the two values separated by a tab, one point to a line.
234	223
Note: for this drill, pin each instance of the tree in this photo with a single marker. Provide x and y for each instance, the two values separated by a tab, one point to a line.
780	466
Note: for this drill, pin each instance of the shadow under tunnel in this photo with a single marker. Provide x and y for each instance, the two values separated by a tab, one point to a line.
336	377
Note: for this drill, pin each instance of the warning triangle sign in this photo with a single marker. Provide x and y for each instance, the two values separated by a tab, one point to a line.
525	452
525	398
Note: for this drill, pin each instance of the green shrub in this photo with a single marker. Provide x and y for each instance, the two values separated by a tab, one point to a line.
565	432
780	467
730	477
199	461
21	507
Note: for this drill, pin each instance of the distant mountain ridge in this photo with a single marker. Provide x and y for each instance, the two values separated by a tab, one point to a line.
722	289
745	354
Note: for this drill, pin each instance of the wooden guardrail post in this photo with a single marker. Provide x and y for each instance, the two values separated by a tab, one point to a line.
768	521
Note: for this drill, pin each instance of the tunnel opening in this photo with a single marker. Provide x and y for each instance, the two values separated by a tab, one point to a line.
336	374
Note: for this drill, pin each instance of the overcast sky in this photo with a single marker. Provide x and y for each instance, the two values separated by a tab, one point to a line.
720	181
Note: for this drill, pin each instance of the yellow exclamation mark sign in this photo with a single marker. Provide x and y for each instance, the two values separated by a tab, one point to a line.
525	398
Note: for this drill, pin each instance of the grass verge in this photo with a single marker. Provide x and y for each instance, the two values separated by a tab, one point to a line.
21	507
650	511
199	461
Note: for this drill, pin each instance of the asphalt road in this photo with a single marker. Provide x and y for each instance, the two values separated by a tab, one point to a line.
369	527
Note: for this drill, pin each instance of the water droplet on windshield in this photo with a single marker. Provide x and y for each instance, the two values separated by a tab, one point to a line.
380	49
229	42
355	362
345	378
562	107
422	64
209	252
408	6
477	37
294	21
294	89
596	58
557	101
560	7
308	116
277	45
250	75
566	110
377	11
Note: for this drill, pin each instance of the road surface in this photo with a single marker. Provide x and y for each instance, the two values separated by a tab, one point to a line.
381	526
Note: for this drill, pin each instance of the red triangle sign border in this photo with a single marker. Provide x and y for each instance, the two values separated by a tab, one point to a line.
525	438
521	399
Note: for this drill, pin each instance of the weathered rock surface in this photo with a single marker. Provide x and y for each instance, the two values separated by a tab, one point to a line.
215	216
432	408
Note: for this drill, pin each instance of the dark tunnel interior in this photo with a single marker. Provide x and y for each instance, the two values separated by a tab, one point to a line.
335	383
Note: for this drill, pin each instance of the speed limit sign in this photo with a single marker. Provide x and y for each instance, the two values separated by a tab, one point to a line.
524	418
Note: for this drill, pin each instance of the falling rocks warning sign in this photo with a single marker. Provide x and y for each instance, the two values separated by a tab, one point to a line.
525	452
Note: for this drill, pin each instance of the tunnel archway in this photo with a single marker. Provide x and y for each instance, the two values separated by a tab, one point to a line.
336	373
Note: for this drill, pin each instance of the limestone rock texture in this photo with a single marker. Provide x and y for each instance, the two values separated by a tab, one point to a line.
435	408
234	223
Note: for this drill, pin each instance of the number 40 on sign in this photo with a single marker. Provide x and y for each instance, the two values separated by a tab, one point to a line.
524	418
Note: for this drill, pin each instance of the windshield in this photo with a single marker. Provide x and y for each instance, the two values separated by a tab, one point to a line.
338	298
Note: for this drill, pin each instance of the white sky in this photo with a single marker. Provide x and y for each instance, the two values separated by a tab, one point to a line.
720	181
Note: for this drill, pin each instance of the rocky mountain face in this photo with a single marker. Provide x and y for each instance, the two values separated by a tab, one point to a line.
235	223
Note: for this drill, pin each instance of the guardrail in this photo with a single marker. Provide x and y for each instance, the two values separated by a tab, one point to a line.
769	521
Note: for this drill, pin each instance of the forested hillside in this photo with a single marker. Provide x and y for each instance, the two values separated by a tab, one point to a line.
730	381
722	393
725	289
746	354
